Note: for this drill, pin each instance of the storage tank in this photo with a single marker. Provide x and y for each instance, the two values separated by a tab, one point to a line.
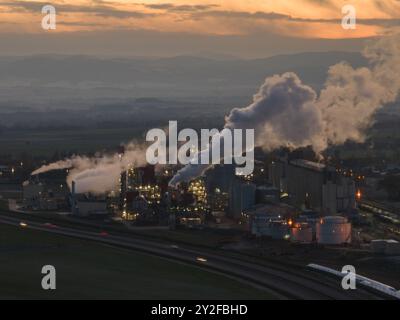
301	232
333	230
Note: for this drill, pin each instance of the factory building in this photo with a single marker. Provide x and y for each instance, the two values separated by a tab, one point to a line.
267	194
139	209
218	200
198	190
188	203
32	192
85	205
139	194
311	185
6	171
190	220
242	197
281	221
301	233
40	196
263	225
385	247
220	177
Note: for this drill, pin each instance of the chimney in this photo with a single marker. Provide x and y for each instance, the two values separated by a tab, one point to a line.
73	200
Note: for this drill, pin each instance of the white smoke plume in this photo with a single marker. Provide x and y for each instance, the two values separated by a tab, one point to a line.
286	112
101	173
75	161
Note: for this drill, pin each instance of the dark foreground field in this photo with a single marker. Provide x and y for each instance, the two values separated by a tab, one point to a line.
88	270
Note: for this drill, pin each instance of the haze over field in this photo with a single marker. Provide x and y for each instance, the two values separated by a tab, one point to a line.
73	82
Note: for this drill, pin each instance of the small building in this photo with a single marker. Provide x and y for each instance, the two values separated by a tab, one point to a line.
263	225
387	247
41	196
301	233
86	206
190	221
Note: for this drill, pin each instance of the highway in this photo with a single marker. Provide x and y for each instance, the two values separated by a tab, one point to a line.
282	281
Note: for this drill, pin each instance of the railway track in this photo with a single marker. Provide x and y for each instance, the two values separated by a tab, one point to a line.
283	281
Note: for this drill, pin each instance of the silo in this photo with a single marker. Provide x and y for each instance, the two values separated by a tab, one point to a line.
333	230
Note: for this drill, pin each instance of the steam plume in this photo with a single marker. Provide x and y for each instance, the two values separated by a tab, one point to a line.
101	173
286	112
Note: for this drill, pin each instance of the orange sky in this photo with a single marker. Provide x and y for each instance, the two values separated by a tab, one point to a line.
297	18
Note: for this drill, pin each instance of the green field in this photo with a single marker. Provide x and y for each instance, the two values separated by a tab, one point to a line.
86	270
46	142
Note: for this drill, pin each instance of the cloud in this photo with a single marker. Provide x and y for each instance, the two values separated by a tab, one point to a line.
271	16
180	8
100	10
317	19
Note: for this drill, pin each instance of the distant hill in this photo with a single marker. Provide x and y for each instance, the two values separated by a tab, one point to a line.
40	79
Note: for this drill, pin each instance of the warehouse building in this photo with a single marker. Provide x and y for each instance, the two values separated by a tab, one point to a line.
311	185
242	196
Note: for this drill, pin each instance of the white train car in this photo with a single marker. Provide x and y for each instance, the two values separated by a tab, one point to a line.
363	281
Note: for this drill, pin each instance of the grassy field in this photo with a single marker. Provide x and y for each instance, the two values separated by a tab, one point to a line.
46	142
87	270
213	238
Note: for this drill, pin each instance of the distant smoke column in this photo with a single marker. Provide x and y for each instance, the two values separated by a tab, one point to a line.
352	96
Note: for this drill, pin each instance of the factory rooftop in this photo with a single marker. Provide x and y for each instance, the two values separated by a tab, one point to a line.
315	166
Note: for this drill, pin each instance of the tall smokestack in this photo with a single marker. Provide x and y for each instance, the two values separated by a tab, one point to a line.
123	189
73	199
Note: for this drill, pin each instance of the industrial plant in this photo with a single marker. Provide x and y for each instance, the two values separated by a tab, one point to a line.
187	150
286	198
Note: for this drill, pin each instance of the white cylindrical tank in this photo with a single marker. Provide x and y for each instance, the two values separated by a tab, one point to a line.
333	230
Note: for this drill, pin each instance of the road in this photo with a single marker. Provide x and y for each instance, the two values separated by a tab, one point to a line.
282	281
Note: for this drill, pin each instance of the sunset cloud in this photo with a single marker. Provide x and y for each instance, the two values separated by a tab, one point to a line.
295	18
